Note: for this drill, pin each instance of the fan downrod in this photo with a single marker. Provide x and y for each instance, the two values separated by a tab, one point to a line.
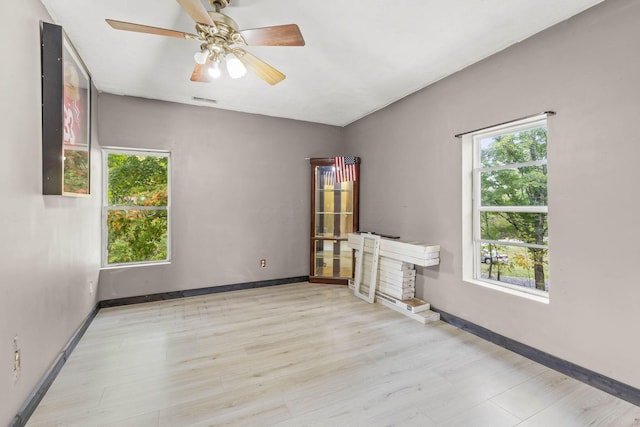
219	4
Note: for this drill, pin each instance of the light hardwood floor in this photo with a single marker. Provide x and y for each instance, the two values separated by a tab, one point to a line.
305	355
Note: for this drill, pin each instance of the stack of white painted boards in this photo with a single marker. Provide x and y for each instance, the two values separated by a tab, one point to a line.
396	274
394	278
409	252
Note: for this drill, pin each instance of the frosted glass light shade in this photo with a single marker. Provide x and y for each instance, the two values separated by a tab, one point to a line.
235	67
201	56
215	71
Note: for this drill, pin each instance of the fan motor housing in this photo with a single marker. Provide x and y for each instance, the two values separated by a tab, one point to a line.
222	20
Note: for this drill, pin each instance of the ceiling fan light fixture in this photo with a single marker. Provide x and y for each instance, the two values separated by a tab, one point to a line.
221	40
201	56
214	70
235	67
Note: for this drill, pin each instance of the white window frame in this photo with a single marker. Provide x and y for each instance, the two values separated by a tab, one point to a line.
106	207
472	208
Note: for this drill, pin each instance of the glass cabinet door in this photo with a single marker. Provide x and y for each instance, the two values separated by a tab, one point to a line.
334	214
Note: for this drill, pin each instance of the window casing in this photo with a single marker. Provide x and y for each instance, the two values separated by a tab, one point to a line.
136	207
505	229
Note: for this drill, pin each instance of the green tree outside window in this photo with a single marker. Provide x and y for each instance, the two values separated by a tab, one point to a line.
137	214
513	207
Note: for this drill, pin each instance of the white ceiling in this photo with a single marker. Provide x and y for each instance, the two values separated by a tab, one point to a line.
360	55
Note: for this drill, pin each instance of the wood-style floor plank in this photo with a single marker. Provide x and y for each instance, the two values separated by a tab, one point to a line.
305	354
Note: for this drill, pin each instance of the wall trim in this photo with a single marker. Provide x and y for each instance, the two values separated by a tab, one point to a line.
198	291
587	376
33	400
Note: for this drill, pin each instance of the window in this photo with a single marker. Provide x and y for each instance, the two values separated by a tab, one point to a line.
136	207
507	244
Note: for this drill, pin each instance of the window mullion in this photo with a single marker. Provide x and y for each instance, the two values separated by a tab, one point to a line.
517	209
511	243
136	208
514	166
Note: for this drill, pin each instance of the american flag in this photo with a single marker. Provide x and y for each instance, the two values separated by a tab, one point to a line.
346	169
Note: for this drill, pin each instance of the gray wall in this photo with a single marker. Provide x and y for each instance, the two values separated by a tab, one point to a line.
240	192
49	250
587	69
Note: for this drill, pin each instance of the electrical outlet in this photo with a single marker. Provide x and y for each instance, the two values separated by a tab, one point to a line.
263	263
91	287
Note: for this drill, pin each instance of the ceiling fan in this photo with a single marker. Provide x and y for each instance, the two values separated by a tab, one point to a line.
222	41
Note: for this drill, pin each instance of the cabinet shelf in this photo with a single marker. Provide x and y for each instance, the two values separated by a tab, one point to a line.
334	213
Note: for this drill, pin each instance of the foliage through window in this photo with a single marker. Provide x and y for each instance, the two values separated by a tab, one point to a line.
510	206
135	207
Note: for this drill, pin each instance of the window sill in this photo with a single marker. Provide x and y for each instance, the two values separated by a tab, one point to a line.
144	264
533	295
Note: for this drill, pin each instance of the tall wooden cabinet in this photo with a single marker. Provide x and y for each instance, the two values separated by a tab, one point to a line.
334	214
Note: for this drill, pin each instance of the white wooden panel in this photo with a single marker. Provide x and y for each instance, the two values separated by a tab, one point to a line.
399	284
373	272
419	254
414	305
423	317
398	294
414	249
389	263
400	275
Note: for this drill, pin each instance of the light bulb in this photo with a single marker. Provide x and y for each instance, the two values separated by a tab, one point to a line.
201	56
214	70
235	67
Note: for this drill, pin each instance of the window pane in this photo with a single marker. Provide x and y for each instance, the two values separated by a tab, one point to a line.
137	180
526	267
136	235
517	147
510	208
516	227
525	186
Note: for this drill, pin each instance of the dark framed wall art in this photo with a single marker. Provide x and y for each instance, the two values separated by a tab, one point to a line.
66	116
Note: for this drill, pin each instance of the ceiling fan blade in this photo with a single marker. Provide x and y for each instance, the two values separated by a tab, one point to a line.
138	28
278	35
200	73
263	70
196	11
